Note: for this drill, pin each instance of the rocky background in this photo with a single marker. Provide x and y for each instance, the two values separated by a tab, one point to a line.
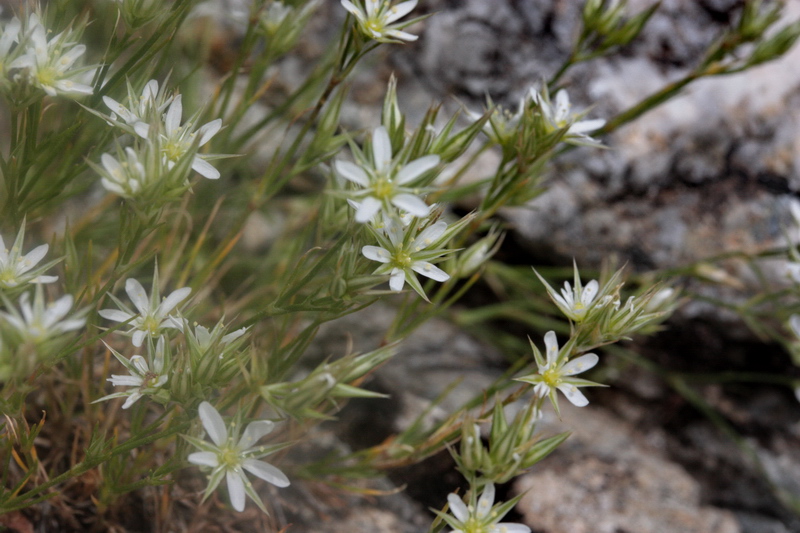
713	171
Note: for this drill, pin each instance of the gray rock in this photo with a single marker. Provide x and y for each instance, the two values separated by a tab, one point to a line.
607	478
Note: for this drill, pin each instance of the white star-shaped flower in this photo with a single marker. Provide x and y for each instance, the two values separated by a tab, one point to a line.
141	108
575	302
376	18
151	315
555	373
17	269
230	457
384	184
560	116
177	141
401	258
145	377
38	321
480	517
48	63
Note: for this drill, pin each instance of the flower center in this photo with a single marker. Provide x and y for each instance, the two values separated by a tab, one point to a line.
402	259
383	188
229	457
47	76
150	325
551	377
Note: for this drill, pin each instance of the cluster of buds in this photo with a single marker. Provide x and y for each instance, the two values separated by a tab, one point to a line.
310	396
511	447
597	312
605	26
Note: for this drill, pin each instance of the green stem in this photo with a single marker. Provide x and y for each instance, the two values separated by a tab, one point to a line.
21	501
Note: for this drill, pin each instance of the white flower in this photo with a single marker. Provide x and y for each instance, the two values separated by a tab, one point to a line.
177	141
16	269
376	16
229	457
480	517
555	373
383	184
142	108
145	377
9	36
125	178
401	259
561	116
40	322
503	124
151	315
48	63
575	302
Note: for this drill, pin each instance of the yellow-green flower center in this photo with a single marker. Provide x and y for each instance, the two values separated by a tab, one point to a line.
229	457
150	324
402	259
551	377
383	188
47	76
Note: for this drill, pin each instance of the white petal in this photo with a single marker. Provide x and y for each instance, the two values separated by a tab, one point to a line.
140	364
138	338
562	105
34	256
172	300
213	423
551	345
59	309
236	489
132	399
352	172
486	500
412	204
381	149
207	131
402	35
429	235
458	508
585	126
368	208
376	253
266	471
574	395
353	9
400	10
150	91
253	433
125	381
416	168
581	364
138	296
397	280
173	118
507	527
142	129
69	58
115	314
589	292
430	271
204	168
203	459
